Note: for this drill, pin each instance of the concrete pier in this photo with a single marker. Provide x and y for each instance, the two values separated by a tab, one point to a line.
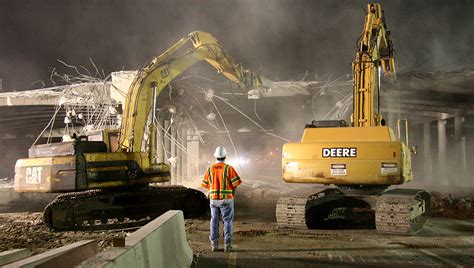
442	180
426	152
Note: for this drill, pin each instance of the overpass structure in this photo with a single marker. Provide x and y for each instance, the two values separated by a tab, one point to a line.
439	106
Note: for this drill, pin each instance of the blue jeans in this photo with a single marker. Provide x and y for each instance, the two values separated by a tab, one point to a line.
224	208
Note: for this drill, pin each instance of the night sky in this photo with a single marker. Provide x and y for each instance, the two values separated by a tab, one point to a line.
282	38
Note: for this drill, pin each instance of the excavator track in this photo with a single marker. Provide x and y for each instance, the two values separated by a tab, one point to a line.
402	211
102	210
291	212
398	211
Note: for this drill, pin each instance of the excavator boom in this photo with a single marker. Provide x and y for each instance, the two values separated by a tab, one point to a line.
152	79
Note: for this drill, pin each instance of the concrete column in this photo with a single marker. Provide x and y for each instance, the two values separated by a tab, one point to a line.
160	140
427	157
184	156
167	143
193	159
173	148
460	151
179	156
442	165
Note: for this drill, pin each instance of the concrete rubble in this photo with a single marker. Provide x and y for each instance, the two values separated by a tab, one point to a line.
26	230
448	205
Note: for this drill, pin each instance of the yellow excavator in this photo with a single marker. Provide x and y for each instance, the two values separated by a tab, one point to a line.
361	160
106	184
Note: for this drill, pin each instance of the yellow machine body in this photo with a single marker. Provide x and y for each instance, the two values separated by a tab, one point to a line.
90	171
347	156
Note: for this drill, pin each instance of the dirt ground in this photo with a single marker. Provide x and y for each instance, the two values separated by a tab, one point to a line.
254	221
258	243
26	230
441	243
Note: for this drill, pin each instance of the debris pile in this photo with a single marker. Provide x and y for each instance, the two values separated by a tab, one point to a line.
26	230
257	199
260	190
447	205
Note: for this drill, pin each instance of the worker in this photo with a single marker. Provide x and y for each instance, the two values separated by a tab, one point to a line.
221	180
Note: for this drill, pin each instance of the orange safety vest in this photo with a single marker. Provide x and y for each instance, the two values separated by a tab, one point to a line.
220	180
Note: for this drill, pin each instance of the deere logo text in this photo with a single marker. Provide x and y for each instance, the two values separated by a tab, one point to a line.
339	152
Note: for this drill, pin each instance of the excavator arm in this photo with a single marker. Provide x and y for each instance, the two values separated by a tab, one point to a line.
152	79
374	57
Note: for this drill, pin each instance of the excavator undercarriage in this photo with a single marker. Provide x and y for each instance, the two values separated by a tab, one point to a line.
397	211
104	209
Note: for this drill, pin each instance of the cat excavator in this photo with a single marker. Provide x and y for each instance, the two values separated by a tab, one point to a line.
106	183
362	159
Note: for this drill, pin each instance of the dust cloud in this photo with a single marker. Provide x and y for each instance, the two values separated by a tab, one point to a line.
284	38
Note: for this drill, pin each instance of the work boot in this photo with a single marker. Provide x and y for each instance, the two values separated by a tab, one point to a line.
214	246
228	248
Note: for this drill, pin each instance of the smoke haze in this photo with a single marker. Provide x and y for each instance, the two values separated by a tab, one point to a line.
285	38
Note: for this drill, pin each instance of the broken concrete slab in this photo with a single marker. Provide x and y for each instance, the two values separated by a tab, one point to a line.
66	256
13	255
160	243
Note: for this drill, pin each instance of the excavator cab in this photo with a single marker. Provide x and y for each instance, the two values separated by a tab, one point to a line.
109	136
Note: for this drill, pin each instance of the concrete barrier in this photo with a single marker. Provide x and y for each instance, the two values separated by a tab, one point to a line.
160	243
14	255
66	256
7	194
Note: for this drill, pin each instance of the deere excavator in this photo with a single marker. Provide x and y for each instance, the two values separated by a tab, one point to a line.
362	160
106	184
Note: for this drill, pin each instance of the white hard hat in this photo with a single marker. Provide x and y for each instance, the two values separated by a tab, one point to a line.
220	152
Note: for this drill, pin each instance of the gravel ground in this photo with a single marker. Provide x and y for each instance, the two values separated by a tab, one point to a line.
26	230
